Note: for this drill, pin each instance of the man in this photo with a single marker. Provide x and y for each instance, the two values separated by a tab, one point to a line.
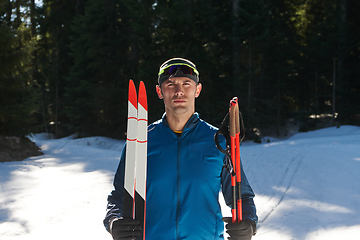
185	171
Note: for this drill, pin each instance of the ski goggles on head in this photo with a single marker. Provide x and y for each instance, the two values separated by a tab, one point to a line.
178	68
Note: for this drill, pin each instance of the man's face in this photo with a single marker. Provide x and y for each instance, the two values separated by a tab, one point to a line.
179	94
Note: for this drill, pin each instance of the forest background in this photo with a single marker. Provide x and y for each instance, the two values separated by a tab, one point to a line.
65	64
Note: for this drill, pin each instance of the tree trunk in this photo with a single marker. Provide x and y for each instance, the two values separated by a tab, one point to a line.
236	46
264	50
32	18
17	20
316	95
342	55
8	12
278	106
33	35
80	7
334	89
250	77
56	108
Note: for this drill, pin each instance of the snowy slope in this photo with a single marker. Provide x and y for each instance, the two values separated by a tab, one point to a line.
307	187
60	195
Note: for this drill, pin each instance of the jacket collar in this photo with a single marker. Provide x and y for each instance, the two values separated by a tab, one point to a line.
191	123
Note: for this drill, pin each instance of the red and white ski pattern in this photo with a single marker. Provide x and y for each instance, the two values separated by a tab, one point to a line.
136	155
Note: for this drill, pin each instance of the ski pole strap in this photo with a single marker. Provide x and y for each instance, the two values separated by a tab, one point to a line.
242	128
224	130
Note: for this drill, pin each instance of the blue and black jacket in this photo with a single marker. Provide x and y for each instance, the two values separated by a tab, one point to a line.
184	177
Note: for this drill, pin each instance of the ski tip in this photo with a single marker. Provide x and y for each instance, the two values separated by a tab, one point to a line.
132	93
233	102
142	95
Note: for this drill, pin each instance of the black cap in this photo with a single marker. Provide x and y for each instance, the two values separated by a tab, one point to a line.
179	72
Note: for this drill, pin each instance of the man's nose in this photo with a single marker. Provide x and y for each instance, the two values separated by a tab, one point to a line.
179	90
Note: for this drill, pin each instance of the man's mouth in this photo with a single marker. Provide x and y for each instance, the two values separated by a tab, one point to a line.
179	100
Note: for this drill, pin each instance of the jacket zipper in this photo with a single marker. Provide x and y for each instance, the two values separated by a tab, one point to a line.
178	189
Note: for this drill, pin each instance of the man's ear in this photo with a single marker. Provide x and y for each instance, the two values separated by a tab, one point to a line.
158	91
198	90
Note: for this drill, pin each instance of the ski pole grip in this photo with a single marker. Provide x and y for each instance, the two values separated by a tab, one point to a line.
234	117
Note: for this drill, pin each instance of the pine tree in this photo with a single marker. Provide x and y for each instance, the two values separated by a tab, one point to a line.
102	67
18	100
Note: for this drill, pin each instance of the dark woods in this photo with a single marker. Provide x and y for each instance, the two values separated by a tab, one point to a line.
65	64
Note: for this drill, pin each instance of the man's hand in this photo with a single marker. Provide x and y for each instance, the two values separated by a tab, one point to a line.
125	229
243	230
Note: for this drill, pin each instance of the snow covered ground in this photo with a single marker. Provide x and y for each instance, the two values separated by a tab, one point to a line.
307	187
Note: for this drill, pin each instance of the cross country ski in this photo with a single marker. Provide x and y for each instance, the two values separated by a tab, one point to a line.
136	155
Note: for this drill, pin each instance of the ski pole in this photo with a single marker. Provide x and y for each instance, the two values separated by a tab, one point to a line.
235	157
